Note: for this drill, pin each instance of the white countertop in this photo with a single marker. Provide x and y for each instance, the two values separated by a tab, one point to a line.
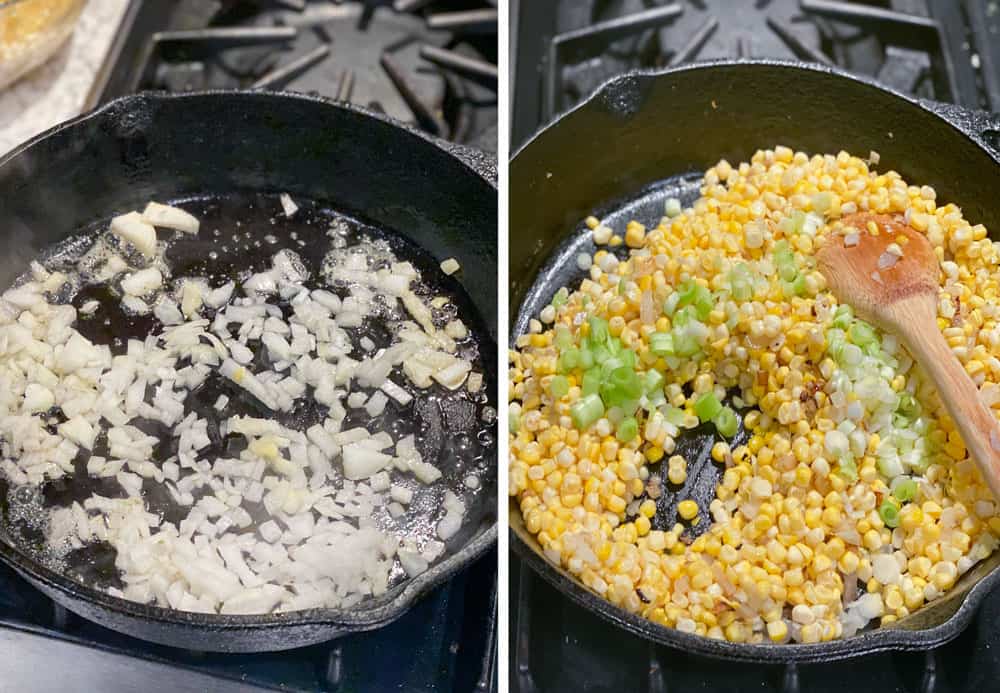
57	90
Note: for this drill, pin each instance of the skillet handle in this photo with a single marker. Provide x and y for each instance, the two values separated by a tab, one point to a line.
982	126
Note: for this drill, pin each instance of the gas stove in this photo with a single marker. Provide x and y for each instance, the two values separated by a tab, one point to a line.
431	64
425	62
942	50
946	50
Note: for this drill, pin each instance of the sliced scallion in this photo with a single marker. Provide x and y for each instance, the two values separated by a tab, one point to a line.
707	406
862	333
661	343
598	330
889	512
559	386
591	382
905	490
628	429
726	422
569	359
586	411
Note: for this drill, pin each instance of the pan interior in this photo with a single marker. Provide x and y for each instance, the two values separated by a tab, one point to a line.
240	233
560	269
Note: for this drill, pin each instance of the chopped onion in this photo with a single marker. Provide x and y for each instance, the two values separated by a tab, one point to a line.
131	228
288	205
168	217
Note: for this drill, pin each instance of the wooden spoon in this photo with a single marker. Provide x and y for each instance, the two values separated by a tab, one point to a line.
901	296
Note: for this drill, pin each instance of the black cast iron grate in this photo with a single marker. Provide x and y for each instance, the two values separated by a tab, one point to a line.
947	50
432	64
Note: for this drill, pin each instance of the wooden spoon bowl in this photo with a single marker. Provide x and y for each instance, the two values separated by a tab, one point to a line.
899	293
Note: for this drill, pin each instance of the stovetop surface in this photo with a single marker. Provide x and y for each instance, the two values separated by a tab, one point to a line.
429	63
444	643
946	50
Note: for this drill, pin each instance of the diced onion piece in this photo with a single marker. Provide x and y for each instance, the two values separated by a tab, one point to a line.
396	392
361	462
78	430
887	260
288	205
142	282
130	227
450	266
168	217
191	299
412	562
449	526
37	398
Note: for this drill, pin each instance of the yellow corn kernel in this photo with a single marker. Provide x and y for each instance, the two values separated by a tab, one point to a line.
777	631
687	509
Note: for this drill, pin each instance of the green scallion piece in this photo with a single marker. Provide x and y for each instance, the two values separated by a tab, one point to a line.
674	415
670	305
591	382
628	429
905	490
707	406
560	298
862	333
586	411
620	386
889	512
847	468
726	422
661	343
558	386
598	330
569	359
654	381
908	407
684	316
843	316
684	343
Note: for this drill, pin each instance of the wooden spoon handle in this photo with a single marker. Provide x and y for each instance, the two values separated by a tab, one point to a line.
975	421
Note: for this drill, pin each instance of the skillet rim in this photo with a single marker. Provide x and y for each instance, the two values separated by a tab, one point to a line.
882	639
361	617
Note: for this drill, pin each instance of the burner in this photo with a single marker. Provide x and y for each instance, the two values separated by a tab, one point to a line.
921	47
434	67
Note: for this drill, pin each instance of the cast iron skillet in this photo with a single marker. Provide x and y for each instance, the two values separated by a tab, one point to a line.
651	135
153	146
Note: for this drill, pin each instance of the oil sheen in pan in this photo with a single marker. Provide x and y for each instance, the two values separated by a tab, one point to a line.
239	235
561	270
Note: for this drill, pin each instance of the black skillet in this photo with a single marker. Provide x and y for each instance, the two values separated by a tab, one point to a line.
649	136
438	196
